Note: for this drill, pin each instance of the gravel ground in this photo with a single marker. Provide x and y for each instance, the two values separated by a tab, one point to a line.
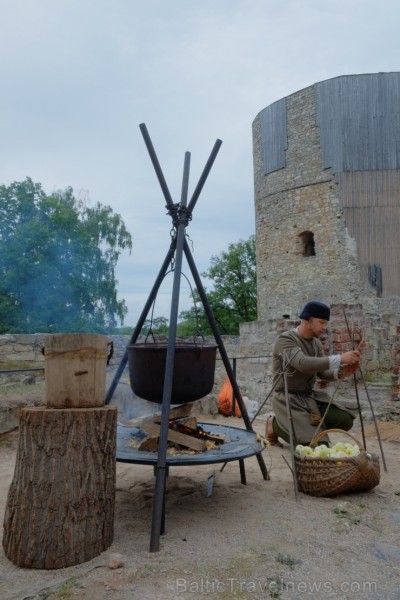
244	541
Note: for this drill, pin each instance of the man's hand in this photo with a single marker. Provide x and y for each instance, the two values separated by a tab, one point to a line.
348	370
350	358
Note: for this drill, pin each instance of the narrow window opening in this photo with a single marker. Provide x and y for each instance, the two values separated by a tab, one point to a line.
375	278
308	243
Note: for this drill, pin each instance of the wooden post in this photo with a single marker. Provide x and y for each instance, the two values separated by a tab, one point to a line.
60	506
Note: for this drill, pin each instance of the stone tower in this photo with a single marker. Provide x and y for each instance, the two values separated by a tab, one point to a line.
327	210
327	195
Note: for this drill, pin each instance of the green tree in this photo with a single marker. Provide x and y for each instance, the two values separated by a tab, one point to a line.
233	299
157	327
57	262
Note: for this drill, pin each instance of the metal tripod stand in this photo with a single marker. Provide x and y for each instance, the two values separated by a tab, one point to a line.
181	214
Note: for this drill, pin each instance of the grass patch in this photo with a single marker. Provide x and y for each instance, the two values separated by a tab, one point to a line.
286	559
342	514
19	364
15	393
378	376
67	589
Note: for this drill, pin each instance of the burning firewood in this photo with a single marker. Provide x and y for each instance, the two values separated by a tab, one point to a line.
183	432
149	444
190	422
176	437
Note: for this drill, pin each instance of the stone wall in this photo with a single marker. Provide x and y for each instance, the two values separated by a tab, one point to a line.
24	351
18	353
378	333
301	197
250	354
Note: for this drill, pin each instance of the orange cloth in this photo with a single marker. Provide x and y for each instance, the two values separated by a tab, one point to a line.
225	400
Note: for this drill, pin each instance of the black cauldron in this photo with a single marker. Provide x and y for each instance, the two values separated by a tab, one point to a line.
194	368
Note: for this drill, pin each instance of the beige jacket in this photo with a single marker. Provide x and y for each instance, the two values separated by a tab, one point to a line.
305	362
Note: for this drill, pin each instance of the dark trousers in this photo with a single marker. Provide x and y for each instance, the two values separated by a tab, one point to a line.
335	418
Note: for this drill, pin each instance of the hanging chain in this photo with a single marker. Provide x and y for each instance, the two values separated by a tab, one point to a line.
172	233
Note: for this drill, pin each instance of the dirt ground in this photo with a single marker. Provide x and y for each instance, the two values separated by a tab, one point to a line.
242	541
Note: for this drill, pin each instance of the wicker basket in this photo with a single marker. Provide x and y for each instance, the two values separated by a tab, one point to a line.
331	476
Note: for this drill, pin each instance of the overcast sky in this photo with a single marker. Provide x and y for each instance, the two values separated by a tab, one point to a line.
79	76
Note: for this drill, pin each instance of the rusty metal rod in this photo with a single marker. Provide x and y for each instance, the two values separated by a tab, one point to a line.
21	370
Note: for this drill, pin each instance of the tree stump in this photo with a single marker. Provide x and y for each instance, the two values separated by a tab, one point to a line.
60	505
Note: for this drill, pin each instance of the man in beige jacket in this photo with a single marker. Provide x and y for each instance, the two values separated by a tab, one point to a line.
300	352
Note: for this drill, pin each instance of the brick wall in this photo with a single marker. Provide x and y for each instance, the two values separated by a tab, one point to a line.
396	367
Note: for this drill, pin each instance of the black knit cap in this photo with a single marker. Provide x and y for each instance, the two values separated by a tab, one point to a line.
317	310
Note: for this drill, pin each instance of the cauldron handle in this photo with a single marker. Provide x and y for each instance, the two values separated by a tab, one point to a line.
198	335
150	332
196	314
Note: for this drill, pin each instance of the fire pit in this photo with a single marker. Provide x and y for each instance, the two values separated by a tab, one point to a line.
238	444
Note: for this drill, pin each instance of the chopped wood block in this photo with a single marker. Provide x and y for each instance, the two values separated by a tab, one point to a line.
190	422
149	444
